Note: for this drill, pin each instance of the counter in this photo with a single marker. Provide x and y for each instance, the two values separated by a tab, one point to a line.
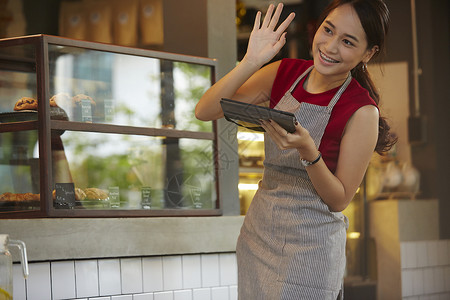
60	239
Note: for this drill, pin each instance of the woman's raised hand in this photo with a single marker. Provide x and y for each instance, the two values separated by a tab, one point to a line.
266	40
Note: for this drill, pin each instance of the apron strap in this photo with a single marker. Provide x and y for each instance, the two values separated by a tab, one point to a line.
299	78
338	94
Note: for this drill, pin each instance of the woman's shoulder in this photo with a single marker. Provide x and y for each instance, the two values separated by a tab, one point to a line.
359	95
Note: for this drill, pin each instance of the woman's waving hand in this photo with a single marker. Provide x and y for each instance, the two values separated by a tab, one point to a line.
265	39
247	81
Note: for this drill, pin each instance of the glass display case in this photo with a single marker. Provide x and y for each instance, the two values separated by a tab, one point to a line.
90	129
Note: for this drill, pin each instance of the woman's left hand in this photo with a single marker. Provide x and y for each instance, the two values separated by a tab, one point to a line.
300	139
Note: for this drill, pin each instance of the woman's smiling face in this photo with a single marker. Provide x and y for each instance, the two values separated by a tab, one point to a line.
340	43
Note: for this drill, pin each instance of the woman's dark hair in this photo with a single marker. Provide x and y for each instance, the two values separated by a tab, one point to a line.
374	18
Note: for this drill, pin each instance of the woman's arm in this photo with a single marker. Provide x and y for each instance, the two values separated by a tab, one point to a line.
244	83
247	82
356	149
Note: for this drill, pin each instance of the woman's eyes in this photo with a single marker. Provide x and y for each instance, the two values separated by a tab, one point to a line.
345	41
348	43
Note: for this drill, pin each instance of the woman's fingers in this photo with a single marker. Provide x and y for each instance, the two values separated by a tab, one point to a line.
274	128
270	21
283	26
276	133
265	42
257	21
276	17
280	43
282	138
268	16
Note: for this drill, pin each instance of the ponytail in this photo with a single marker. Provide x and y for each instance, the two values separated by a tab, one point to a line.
386	140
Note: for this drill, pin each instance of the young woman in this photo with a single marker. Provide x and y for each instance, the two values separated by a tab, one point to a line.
292	242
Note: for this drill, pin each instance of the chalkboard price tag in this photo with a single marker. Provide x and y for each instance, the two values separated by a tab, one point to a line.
64	195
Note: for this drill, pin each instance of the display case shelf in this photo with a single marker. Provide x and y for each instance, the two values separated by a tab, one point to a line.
113	133
120	129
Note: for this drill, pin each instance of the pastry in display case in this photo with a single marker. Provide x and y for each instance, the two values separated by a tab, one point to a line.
90	129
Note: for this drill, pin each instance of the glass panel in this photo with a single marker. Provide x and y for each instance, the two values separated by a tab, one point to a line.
17	75
102	87
136	172
19	171
191	82
198	180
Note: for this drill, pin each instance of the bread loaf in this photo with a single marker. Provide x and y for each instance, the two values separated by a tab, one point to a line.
95	194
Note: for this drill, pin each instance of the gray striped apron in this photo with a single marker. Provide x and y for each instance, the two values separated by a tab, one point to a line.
291	246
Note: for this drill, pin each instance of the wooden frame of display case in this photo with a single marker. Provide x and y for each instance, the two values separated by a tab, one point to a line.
44	125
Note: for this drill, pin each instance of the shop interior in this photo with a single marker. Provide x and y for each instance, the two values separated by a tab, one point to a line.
400	210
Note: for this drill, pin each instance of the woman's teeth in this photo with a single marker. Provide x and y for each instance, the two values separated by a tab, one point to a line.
327	59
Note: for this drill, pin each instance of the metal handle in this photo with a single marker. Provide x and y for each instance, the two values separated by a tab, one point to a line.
23	255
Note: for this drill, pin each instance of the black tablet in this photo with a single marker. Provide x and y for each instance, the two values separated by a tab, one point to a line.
241	113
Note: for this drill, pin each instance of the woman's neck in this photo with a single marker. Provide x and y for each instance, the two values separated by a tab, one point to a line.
317	83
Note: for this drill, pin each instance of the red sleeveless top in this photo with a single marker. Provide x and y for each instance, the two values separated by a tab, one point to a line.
353	98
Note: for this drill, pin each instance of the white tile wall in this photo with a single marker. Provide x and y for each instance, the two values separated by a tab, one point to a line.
19	287
122	297
425	270
179	277
220	293
38	284
131	275
210	270
182	295
63	279
86	276
228	269
152	274
164	295
192	272
233	292
425	275
109	276
144	296
202	294
172	273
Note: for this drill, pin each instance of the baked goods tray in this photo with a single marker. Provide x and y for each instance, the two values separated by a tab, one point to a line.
7	205
18	116
11	205
56	113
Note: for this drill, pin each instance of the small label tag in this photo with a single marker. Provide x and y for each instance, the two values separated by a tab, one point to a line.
196	196
146	200
64	195
109	110
114	197
86	110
